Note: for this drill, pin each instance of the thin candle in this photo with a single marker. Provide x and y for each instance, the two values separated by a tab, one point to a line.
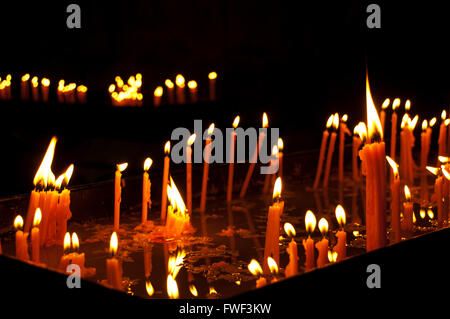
231	159
146	189
322	246
323	147
212	76
292	250
35	238
384	106
165	180
113	266
331	150
170	91
341	246
192	85
190	141
206	159
395	200
308	244
118	194
255	269
181	95
157	95
395	106
21	240
343	130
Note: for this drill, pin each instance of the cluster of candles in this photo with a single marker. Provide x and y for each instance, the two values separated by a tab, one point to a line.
5	88
126	94
177	95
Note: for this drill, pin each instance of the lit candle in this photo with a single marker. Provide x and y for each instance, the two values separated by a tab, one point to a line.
206	158
323	147
341	246
157	94
59	92
395	105
192	85
165	180
24	87
45	83
292	250
72	257
21	240
180	82
190	141
82	94
35	240
438	192
322	246
212	76
407	224
118	194
146	186
442	135
308	244
342	131
271	248
280	157
359	136
384	106
331	150
231	160
273	268
374	167
113	266
170	91
255	269
251	168
34	88
178	220
395	201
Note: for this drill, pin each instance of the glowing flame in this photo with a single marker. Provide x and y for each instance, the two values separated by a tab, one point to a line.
407	105
330	121
273	267
254	267
280	144
169	84
75	242
192	85
158	91
412	124
395	104
45	82
432	121
149	288
211	129
113	244
385	104
361	130
191	139
405	120
67	242
176	201
147	163
275	150
407	194
121	167
414	218
25	77
18	222
37	217
277	188
443	115
179	80
340	215
175	263
212	75
424	125
422	213
443	159
44	170
289	229
430	213
373	121
344	118
447	122
172	288
265	120
336	121
193	290
167	148
310	221
68	174
119	81
323	226
212	291
445	172
393	165
433	170
332	256
236	121
111	88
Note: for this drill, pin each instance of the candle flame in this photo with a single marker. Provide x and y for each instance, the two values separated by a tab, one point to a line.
332	256
273	267
236	121
37	217
113	244
172	288
61	84
212	75
280	144
158	91
149	288
75	242
407	105
393	165
147	163
176	201
111	88
265	120
375	130
445	172
35	81
444	115
44	170
121	167
407	194
433	170
361	130
277	188
167	148
45	82
422	213
193	290
275	150
424	125
443	159
179	80
169	84
395	104
254	267
25	77
67	242
323	226
212	291
405	120
289	229
192	84
82	88
430	213
414	218
18	222
191	139
344	118
175	263
385	104
310	221
447	122
211	129
340	215
412	123
68	174
336	121
330	121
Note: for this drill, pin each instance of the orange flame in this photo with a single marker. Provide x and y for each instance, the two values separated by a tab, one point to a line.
193	290
113	244
361	130
323	226
25	77
45	82
340	215
75	242
192	84
407	105
443	159
167	148
344	118
445	172
432	121
211	129
212	75
395	104
332	256
37	217
336	121
275	150
280	144
310	221
191	139
179	81
277	188
18	222
273	267
172	288
121	167
67	242
289	229
44	170
169	84
236	121
433	170
147	163
407	194
424	125
393	165
373	121
149	288
330	121
158	91
385	104
254	267
265	120
430	213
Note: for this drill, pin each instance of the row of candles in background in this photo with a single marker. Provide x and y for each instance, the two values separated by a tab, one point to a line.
121	93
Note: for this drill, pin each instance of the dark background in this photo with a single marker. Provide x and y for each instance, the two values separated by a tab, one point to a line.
299	62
